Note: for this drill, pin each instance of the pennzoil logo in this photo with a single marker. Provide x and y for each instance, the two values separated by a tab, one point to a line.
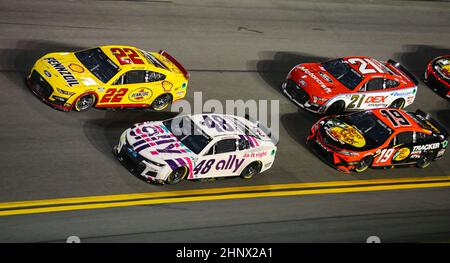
140	94
65	73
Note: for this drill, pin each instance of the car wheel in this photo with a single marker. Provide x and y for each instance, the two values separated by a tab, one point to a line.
425	160
251	170
161	102
336	108
85	102
398	104
177	175
363	164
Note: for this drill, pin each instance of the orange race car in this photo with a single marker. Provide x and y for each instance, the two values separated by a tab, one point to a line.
378	138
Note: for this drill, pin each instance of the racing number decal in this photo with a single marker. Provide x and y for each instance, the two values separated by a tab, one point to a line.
113	95
354	99
126	56
357	100
385	155
363	65
395	117
217	122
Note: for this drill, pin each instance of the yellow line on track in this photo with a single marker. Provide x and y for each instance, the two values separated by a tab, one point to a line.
124	197
410	183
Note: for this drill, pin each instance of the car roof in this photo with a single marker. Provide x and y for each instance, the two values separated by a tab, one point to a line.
381	69
414	126
236	125
128	64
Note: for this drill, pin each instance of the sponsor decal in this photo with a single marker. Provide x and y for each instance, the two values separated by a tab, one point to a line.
323	75
140	94
47	73
401	154
318	81
444	67
345	133
444	144
76	68
232	163
166	85
65	73
402	93
426	147
255	155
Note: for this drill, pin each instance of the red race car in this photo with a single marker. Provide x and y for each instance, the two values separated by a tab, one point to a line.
437	76
378	138
349	84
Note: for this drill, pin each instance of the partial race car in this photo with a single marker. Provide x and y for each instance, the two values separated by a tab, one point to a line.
378	138
350	84
108	77
437	76
196	147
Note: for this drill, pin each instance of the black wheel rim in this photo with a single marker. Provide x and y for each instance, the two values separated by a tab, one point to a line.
177	175
161	102
252	170
84	103
398	104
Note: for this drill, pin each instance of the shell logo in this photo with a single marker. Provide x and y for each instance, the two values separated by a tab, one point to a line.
76	68
349	135
140	94
401	154
167	86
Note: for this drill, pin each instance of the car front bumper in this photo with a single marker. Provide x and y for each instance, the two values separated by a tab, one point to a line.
299	96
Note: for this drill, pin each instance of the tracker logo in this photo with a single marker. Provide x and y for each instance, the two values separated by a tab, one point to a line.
65	73
426	147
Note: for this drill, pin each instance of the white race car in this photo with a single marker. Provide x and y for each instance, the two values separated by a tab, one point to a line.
196	147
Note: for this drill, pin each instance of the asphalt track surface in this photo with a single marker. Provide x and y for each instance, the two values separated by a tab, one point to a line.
234	50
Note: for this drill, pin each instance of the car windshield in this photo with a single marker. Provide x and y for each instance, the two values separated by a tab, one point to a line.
345	74
375	132
188	133
98	63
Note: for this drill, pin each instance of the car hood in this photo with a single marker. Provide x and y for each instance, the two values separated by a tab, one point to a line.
316	81
153	141
65	70
343	135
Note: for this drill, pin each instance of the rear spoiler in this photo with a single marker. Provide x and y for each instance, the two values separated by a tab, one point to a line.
266	130
427	117
174	61
398	66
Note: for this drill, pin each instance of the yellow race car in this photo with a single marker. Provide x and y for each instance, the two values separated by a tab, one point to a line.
108	77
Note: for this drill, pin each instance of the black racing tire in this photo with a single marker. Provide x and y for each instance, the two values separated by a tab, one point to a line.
364	164
425	160
398	104
251	170
336	108
161	102
177	175
84	103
